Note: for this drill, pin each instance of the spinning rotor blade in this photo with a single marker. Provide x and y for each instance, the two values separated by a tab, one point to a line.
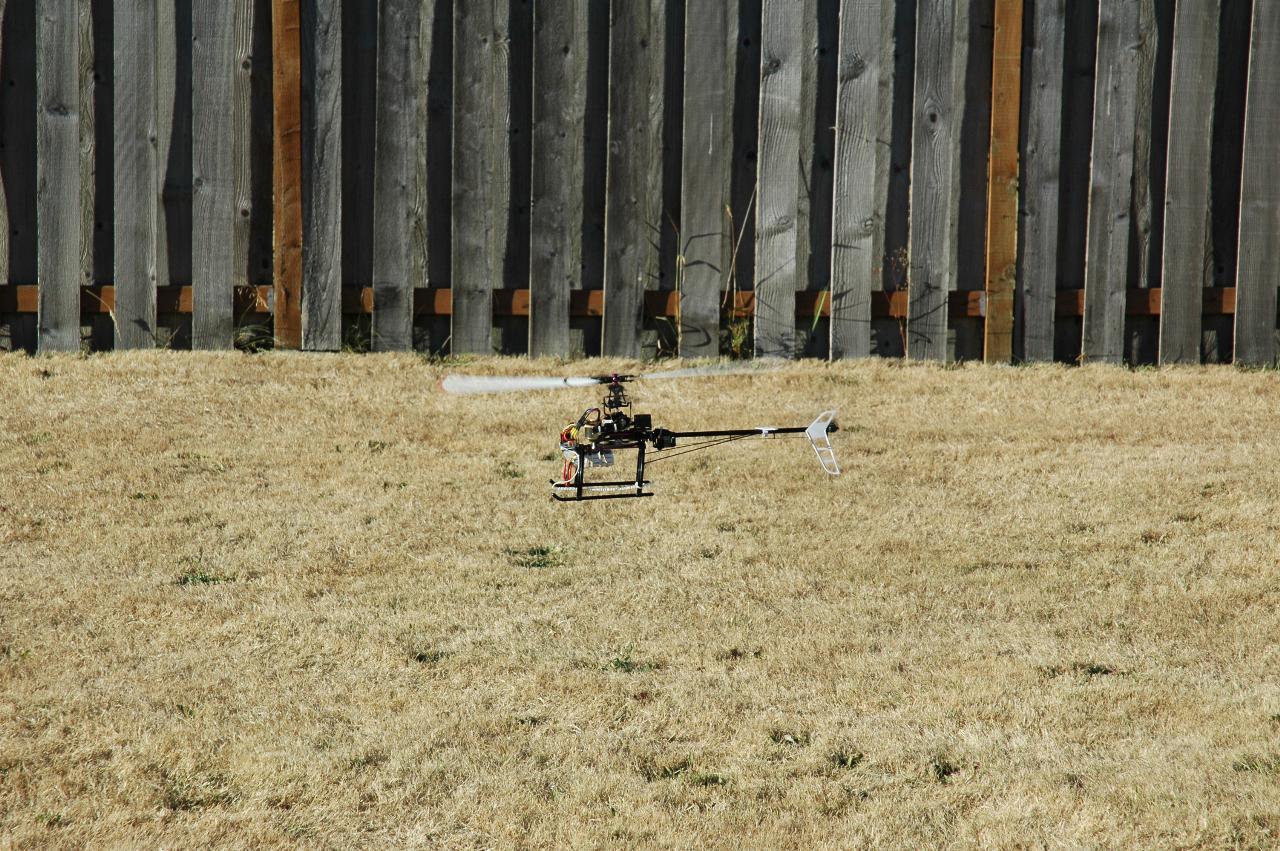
467	385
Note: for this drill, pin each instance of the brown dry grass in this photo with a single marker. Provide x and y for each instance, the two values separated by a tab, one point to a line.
274	600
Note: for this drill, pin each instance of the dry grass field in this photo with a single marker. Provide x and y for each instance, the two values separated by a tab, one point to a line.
280	600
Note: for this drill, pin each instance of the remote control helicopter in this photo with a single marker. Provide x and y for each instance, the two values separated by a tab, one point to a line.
594	440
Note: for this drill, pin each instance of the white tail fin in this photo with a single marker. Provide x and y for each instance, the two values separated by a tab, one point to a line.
820	439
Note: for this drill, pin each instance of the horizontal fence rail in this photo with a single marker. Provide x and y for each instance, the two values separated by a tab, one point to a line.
1010	180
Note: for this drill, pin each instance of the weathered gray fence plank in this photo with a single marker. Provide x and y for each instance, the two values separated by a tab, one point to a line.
859	206
88	195
322	174
395	203
136	185
481	169
1041	162
559	100
213	203
58	174
1258	273
1106	260
242	139
1187	262
778	177
934	206
4	203
706	174
633	204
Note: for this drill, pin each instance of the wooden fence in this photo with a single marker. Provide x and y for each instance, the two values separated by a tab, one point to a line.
1007	179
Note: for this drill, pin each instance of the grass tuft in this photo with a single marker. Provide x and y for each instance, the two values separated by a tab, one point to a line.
790	738
535	558
1259	763
941	768
845	758
198	576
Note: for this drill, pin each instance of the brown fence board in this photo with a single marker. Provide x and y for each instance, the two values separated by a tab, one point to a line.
58	197
286	74
556	179
1258	273
1002	186
136	186
213	247
480	170
633	201
778	176
859	200
1110	191
935	137
1186	263
322	212
1041	166
397	202
706	184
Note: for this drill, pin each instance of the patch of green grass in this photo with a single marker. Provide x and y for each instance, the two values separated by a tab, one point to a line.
430	657
651	769
535	558
624	664
1259	763
708	778
143	497
200	576
737	654
51	819
941	768
509	470
253	338
790	738
845	758
183	791
1087	669
377	446
35	438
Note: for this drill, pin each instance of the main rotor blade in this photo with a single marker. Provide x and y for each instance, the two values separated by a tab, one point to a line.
467	385
750	367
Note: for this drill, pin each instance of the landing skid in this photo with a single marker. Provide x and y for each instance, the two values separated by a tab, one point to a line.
578	492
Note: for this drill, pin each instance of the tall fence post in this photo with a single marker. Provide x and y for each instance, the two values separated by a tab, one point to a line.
778	177
397	201
286	72
1111	171
858	201
556	182
1002	182
58	200
935	136
1041	174
706	174
1258	273
481	170
322	149
213	63
633	202
1185	266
